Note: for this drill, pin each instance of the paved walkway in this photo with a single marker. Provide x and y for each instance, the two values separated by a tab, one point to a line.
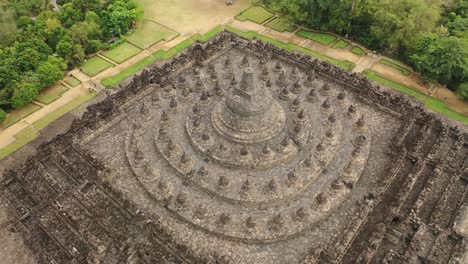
363	62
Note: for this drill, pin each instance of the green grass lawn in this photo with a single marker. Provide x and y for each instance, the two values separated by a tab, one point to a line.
72	81
255	14
340	44
399	67
122	52
22	138
430	102
18	114
94	66
281	24
51	94
40	124
322	38
149	33
357	50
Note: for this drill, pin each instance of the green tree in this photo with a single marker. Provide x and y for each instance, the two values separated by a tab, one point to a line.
398	24
48	73
462	91
27	89
7	27
442	59
86	5
64	48
458	26
8	70
119	17
3	115
82	32
24	21
30	53
69	15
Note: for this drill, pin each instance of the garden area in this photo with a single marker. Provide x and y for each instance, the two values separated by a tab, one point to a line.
322	38
340	44
256	14
357	50
149	33
122	52
51	93
72	81
95	65
281	25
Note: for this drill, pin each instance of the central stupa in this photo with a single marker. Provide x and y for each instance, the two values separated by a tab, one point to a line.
249	114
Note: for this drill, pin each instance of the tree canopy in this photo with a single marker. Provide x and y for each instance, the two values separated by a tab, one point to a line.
431	35
37	44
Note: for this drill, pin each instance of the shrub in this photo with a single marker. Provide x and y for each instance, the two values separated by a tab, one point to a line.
462	91
2	115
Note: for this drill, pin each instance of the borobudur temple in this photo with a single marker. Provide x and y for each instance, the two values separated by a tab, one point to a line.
236	151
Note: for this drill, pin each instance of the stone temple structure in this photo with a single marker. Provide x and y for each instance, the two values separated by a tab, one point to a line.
236	151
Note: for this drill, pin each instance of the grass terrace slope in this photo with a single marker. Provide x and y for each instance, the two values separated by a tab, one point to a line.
255	14
322	38
122	52
95	65
281	24
149	33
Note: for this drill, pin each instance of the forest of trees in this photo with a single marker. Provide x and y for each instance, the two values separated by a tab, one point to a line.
37	44
430	35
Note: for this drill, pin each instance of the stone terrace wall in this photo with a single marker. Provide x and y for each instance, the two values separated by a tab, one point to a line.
103	112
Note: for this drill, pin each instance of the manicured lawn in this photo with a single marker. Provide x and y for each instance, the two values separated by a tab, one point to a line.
429	102
281	24
40	124
95	65
340	44
122	52
392	64
72	81
149	33
357	50
18	114
22	138
255	14
322	38
51	94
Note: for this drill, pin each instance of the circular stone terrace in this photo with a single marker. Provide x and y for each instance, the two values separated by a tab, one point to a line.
243	147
